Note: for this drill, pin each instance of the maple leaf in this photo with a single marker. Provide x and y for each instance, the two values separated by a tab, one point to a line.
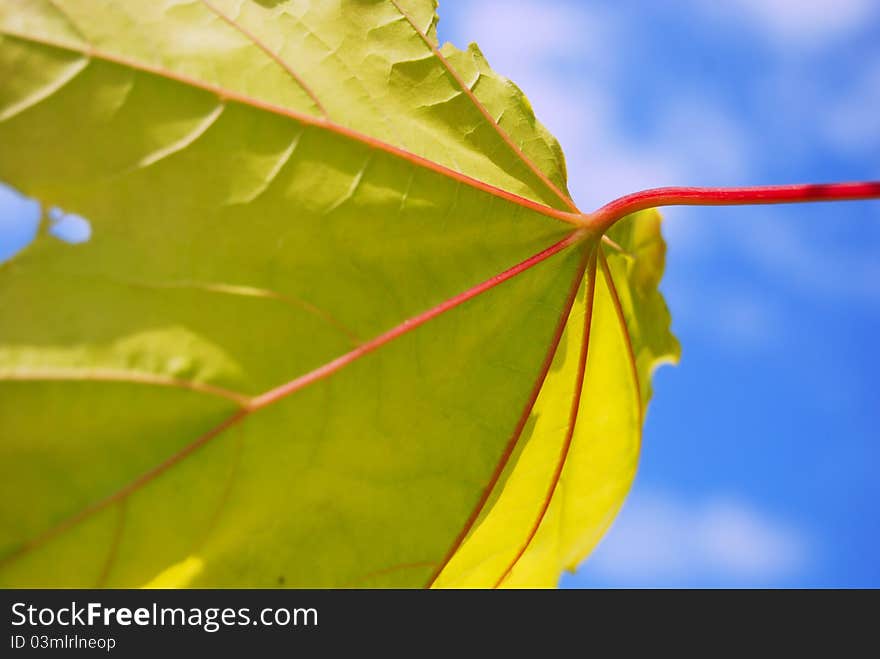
338	322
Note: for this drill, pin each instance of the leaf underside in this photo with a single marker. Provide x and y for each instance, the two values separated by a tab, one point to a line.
282	358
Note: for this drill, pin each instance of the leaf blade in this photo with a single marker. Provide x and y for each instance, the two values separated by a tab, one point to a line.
275	231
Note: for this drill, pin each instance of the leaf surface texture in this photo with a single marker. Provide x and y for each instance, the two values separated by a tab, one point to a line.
252	373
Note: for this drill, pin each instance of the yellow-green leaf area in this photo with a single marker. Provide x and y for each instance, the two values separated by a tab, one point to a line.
285	357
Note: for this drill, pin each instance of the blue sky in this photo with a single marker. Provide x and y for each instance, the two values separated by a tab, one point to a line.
761	448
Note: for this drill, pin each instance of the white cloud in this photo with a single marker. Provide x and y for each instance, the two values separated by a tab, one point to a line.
803	24
518	32
800	256
735	317
743	320
526	41
853	117
695	142
660	539
712	146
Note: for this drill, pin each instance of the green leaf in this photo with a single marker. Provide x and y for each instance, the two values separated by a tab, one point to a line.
286	355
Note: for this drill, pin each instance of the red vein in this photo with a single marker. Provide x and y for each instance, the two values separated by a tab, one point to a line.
408	325
274	395
572	420
387	570
621	319
225	494
564	198
608	214
306	119
510	447
123	492
129	377
615	246
114	547
274	56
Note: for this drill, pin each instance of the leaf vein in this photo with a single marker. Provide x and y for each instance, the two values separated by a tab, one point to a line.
275	57
121	376
510	447
274	395
621	320
180	144
564	198
575	218
572	420
47	91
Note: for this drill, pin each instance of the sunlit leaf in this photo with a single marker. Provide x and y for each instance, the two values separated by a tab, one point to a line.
284	355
